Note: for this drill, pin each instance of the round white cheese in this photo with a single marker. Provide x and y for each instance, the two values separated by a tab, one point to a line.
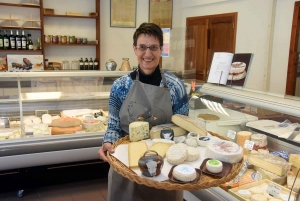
225	151
192	142
27	122
177	154
193	154
193	135
203	141
256	190
258	197
259	140
184	173
36	120
46	119
180	139
214	166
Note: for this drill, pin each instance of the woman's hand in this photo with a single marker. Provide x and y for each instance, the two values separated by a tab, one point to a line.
106	147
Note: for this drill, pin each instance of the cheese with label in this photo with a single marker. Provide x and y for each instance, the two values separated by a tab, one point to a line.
184	173
258	197
155	130
260	141
295	160
161	148
224	151
177	154
189	123
138	130
270	162
193	154
214	166
135	151
271	176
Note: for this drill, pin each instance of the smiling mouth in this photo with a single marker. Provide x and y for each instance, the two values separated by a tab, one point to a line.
148	60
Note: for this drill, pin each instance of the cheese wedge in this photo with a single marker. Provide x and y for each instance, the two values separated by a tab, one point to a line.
161	148
138	130
295	160
189	123
135	151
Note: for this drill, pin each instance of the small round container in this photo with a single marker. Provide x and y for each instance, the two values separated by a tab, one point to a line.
84	40
72	40
63	39
193	135
47	39
203	141
54	39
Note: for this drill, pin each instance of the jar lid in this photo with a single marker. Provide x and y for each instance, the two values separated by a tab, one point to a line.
125	58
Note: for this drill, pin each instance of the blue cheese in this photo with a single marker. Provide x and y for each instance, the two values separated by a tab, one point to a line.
138	130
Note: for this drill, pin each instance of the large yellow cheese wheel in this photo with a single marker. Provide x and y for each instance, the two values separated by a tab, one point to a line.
66	122
69	130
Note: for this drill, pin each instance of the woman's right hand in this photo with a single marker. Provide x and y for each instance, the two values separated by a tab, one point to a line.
106	147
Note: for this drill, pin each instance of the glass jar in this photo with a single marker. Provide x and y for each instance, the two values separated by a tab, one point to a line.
63	39
72	39
47	39
66	65
54	39
84	41
75	65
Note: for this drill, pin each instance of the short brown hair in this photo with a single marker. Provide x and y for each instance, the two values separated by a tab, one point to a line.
149	29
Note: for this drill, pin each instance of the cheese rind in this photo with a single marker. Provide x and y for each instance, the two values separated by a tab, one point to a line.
138	130
135	151
193	154
155	130
66	122
189	123
271	176
295	160
69	130
184	173
177	154
270	162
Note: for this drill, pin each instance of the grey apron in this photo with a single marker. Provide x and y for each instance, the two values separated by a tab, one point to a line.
153	104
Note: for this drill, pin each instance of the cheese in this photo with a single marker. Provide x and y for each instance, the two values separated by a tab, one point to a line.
242	136
270	162
295	160
161	148
155	130
192	142
224	151
135	151
47	119
184	173
189	123
214	166
163	140
193	154
271	176
36	120
244	194
177	154
138	130
66	122
291	177
69	130
91	126
203	141
180	139
260	141
258	197
275	199
193	135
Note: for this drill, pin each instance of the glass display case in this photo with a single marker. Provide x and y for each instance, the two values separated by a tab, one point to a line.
38	110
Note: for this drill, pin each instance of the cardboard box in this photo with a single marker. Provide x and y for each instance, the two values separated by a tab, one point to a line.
25	63
3	64
234	191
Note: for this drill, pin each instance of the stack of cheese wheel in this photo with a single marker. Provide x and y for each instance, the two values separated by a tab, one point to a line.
65	125
242	136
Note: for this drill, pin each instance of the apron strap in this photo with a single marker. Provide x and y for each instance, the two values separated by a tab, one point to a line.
162	72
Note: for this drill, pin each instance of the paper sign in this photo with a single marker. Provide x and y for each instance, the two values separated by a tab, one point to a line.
231	134
249	144
257	176
273	190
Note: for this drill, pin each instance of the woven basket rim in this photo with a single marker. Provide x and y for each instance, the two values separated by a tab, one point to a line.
206	181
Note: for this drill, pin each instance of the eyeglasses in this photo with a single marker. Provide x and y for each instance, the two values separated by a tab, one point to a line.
144	47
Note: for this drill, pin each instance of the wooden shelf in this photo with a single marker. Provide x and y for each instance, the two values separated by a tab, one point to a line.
23	51
22	28
70	16
21	5
59	44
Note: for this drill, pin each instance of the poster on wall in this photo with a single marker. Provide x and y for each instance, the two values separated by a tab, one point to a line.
123	13
166	46
160	12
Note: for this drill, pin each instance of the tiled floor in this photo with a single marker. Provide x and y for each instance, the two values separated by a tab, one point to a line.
89	190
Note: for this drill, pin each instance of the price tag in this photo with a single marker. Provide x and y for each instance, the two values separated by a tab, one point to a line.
78	132
249	144
89	118
231	134
253	110
257	176
273	190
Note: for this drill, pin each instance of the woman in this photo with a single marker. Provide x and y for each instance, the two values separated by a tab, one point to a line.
147	93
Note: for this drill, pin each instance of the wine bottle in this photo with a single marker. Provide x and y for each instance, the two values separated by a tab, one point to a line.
1	41
24	41
96	64
81	64
86	64
5	40
91	64
18	41
12	41
29	42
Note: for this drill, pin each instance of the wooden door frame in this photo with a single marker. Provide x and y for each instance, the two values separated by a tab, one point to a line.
292	69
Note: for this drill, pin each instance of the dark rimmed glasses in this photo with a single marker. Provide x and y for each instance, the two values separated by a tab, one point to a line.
144	47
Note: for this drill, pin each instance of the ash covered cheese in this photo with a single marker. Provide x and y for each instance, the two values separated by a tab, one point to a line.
224	151
138	130
177	154
193	154
184	173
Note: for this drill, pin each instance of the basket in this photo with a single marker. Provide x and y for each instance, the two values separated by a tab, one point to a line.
205	181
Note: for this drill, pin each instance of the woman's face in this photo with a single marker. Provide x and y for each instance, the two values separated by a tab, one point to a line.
147	58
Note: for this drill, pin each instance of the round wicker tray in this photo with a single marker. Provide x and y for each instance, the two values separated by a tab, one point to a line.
206	181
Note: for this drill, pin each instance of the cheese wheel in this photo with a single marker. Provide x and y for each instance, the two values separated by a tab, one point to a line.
258	197
193	154
36	120
214	166
91	126
66	122
189	123
69	130
155	130
184	173
225	151
203	141
138	130
193	135
192	142
260	141
241	138
46	119
177	154
180	139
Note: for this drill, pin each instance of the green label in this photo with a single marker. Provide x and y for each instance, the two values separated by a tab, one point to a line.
213	162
